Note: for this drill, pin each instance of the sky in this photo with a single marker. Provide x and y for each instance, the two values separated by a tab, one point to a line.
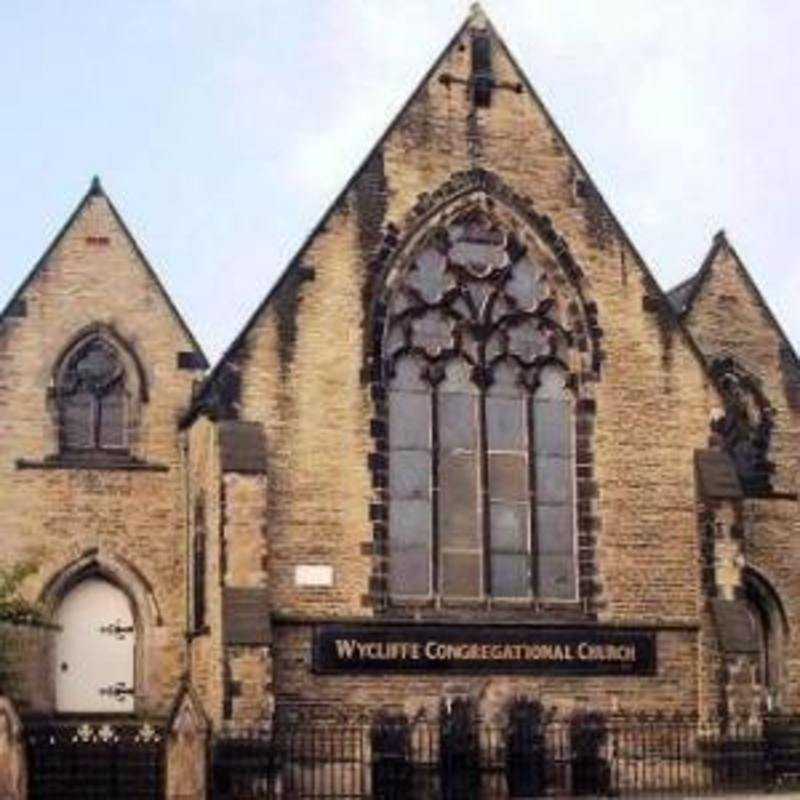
223	130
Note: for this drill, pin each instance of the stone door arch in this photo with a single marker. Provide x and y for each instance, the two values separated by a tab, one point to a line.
142	614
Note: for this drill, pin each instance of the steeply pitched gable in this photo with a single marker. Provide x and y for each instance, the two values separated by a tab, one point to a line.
728	316
721	257
460	68
16	306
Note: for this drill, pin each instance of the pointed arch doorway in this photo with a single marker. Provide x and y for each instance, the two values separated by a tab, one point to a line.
95	650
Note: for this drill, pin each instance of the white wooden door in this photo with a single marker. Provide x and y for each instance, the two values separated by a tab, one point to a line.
94	653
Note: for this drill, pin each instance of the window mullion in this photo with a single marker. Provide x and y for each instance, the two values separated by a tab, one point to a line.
532	544
95	406
483	478
435	554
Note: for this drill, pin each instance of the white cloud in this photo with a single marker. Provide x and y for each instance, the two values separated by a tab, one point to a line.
229	128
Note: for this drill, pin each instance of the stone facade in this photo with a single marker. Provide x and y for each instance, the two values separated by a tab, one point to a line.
123	519
251	510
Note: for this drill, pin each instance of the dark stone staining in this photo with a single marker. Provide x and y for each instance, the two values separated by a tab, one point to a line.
599	223
18	308
415	125
474	136
220	398
655	303
371	203
790	371
243	447
228	391
229	690
370	197
285	307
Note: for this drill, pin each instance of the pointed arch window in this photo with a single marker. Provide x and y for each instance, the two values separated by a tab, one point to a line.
481	423
92	397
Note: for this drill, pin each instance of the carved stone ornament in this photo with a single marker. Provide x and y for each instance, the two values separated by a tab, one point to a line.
94	368
467	296
186	749
745	428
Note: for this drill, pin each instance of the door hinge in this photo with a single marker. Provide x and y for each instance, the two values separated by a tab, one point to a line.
116	629
117	690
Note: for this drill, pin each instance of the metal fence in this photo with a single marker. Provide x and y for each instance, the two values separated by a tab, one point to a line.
94	759
588	755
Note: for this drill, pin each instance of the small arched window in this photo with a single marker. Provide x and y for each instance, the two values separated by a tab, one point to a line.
481	430
92	398
770	630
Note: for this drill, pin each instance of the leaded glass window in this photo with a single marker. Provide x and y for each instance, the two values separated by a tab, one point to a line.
92	399
481	475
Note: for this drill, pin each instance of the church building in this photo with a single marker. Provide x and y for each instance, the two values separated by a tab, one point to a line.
466	451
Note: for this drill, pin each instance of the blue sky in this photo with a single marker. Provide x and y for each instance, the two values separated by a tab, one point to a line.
222	130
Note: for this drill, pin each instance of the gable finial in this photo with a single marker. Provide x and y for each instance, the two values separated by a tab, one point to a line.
720	237
477	16
95	188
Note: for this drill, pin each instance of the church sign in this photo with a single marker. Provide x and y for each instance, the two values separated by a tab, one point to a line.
472	649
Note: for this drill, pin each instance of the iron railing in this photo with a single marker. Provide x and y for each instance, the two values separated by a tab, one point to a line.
587	755
103	759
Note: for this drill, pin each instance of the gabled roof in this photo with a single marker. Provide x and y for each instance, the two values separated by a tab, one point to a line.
477	16
295	264
96	190
682	297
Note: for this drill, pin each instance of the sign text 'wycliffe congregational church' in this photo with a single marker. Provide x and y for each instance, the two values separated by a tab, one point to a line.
466	648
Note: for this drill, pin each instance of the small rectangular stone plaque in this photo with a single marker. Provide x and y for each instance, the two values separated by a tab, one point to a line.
313	575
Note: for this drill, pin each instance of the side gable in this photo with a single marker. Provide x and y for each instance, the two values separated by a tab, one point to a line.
741	339
17	306
724	281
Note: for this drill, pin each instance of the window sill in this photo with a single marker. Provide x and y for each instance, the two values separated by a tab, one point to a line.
770	495
497	610
92	461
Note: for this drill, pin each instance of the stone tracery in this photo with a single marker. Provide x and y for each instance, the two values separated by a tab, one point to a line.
481	475
92	396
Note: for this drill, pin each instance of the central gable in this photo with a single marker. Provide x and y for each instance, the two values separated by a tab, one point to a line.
474	122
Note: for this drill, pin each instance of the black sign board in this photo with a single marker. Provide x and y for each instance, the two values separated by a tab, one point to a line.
473	649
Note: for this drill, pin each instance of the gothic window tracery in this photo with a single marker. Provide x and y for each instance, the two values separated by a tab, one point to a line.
481	422
92	398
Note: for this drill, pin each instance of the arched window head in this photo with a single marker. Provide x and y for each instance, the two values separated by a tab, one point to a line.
481	431
770	630
93	398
